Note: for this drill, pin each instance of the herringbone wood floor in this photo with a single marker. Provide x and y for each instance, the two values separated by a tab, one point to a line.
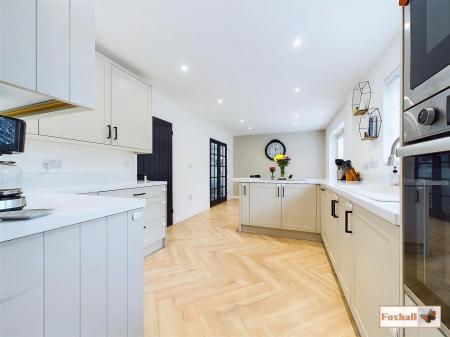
212	281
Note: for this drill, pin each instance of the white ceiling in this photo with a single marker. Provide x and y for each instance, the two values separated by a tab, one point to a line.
242	52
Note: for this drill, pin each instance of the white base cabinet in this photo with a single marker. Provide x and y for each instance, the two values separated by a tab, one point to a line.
22	287
80	280
291	207
365	254
155	213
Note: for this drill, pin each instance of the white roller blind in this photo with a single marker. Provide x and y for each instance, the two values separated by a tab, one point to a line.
391	112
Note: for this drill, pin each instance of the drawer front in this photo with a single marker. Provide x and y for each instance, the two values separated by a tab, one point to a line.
154	232
155	208
141	192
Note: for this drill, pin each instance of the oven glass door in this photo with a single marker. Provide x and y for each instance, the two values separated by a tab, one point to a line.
426	231
430	39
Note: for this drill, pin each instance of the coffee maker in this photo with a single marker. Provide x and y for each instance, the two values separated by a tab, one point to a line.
12	140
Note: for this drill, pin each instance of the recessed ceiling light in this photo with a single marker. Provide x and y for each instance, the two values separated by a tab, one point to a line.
184	68
297	90
297	42
242	121
296	115
220	101
250	128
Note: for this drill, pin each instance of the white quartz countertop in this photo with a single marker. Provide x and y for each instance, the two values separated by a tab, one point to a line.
68	209
89	188
382	200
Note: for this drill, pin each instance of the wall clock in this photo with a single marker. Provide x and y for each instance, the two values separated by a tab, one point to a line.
275	147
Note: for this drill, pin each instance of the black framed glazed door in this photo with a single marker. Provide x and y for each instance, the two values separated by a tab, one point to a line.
217	172
158	165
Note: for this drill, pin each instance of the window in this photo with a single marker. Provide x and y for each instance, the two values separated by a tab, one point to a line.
391	112
340	145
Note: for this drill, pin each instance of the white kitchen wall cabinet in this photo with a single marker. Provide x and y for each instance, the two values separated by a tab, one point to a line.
244	203
82	46
92	126
18	42
62	282
299	207
117	275
345	248
53	48
122	117
265	205
130	110
93	278
21	287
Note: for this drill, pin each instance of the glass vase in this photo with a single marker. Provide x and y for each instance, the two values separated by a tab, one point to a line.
282	174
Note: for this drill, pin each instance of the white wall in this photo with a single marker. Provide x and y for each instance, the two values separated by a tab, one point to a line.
307	150
191	157
81	164
366	156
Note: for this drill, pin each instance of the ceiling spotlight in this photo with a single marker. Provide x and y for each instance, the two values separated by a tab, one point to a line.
184	68
250	128
296	115
242	121
297	43
220	101
297	90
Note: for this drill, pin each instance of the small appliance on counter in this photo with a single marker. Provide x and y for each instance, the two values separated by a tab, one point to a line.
12	140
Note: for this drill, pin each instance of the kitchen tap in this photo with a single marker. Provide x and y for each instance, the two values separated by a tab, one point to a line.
391	159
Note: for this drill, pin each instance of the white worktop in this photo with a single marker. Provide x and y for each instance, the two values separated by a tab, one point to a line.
70	208
383	200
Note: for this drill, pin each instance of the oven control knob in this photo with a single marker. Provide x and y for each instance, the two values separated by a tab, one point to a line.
427	116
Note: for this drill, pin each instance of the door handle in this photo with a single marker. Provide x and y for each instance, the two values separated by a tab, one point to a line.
244	189
138	194
346	222
278	191
109	132
333	209
283	191
115	133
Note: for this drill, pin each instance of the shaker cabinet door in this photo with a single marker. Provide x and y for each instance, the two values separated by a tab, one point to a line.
131	110
90	125
265	205
53	48
244	203
345	256
299	207
18	43
93	254
62	282
21	287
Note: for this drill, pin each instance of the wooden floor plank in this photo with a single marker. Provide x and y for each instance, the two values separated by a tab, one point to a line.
212	281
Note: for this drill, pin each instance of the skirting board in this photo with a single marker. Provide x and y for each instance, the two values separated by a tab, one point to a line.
281	232
149	250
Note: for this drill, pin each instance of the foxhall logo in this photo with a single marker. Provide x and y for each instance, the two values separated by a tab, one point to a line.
410	317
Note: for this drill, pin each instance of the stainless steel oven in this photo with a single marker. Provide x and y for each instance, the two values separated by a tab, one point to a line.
426	50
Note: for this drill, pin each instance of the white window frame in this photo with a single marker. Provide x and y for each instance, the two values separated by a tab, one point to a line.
391	112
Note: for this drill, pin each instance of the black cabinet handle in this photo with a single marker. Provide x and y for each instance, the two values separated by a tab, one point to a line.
346	222
109	132
283	191
115	133
138	194
278	191
333	209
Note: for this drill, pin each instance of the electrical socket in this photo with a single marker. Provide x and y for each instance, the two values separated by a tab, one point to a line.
52	164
